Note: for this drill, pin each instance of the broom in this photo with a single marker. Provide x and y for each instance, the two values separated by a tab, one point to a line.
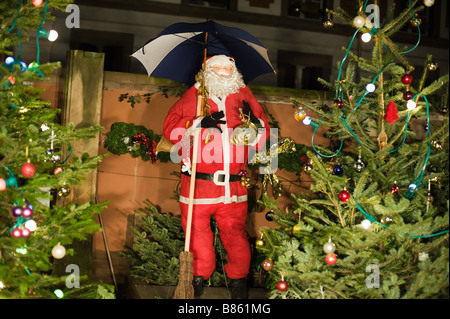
184	289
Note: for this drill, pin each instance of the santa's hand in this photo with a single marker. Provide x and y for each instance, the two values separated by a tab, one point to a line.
246	110
213	121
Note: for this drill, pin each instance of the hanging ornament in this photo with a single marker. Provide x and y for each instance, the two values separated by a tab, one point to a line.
25	232
395	188
28	169
337	170
428	3
329	247
359	165
269	216
245	181
359	21
407	95
267	264
328	22
432	66
423	256
16	233
437	145
16	212
300	114
59	251
282	285
63	191
391	114
339	103
387	220
344	195
330	259
416	21
27	212
260	242
406	79
308	167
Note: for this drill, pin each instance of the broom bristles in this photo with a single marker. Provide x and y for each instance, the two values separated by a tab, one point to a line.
184	289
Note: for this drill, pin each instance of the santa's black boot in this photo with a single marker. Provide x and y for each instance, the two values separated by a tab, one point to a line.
239	289
197	282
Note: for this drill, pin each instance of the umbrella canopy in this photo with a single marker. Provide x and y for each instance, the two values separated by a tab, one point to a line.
178	51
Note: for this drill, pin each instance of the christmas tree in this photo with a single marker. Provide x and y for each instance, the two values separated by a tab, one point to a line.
376	222
37	170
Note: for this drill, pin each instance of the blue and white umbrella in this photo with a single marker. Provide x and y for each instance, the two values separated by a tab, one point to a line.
178	52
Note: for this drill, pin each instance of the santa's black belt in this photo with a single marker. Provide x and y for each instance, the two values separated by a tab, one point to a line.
210	177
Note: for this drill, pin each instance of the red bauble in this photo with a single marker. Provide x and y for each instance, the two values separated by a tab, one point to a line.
339	103
330	259
28	169
16	233
25	232
344	195
407	79
282	285
407	95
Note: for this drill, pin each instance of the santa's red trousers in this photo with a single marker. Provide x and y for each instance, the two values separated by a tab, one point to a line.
231	221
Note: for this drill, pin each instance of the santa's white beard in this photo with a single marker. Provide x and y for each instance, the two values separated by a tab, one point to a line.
222	86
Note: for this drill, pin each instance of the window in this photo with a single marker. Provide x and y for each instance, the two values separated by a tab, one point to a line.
300	70
218	4
116	46
306	9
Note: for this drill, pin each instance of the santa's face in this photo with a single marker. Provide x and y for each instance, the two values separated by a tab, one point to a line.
222	69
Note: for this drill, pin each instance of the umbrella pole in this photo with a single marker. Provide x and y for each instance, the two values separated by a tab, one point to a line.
184	289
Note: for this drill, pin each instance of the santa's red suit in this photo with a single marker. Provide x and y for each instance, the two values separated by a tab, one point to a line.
218	189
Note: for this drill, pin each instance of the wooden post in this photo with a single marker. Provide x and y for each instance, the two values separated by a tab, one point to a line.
82	106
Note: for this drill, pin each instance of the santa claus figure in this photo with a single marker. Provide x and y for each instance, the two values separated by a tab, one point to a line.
220	166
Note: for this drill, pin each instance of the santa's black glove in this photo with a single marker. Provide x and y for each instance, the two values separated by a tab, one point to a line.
246	110
213	121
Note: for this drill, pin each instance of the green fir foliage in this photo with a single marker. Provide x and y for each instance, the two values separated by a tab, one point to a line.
400	194
29	127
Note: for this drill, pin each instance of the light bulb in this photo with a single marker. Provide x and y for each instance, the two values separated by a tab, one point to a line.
31	225
366	224
365	37
37	3
9	60
370	87
58	293
411	105
52	36
358	21
307	120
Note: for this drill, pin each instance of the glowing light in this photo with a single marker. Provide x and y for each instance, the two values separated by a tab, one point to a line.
365	37
370	87
366	224
411	105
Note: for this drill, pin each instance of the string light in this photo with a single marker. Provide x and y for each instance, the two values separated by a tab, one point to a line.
411	105
51	35
370	87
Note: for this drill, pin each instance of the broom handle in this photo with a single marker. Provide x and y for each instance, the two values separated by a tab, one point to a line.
199	112
192	182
